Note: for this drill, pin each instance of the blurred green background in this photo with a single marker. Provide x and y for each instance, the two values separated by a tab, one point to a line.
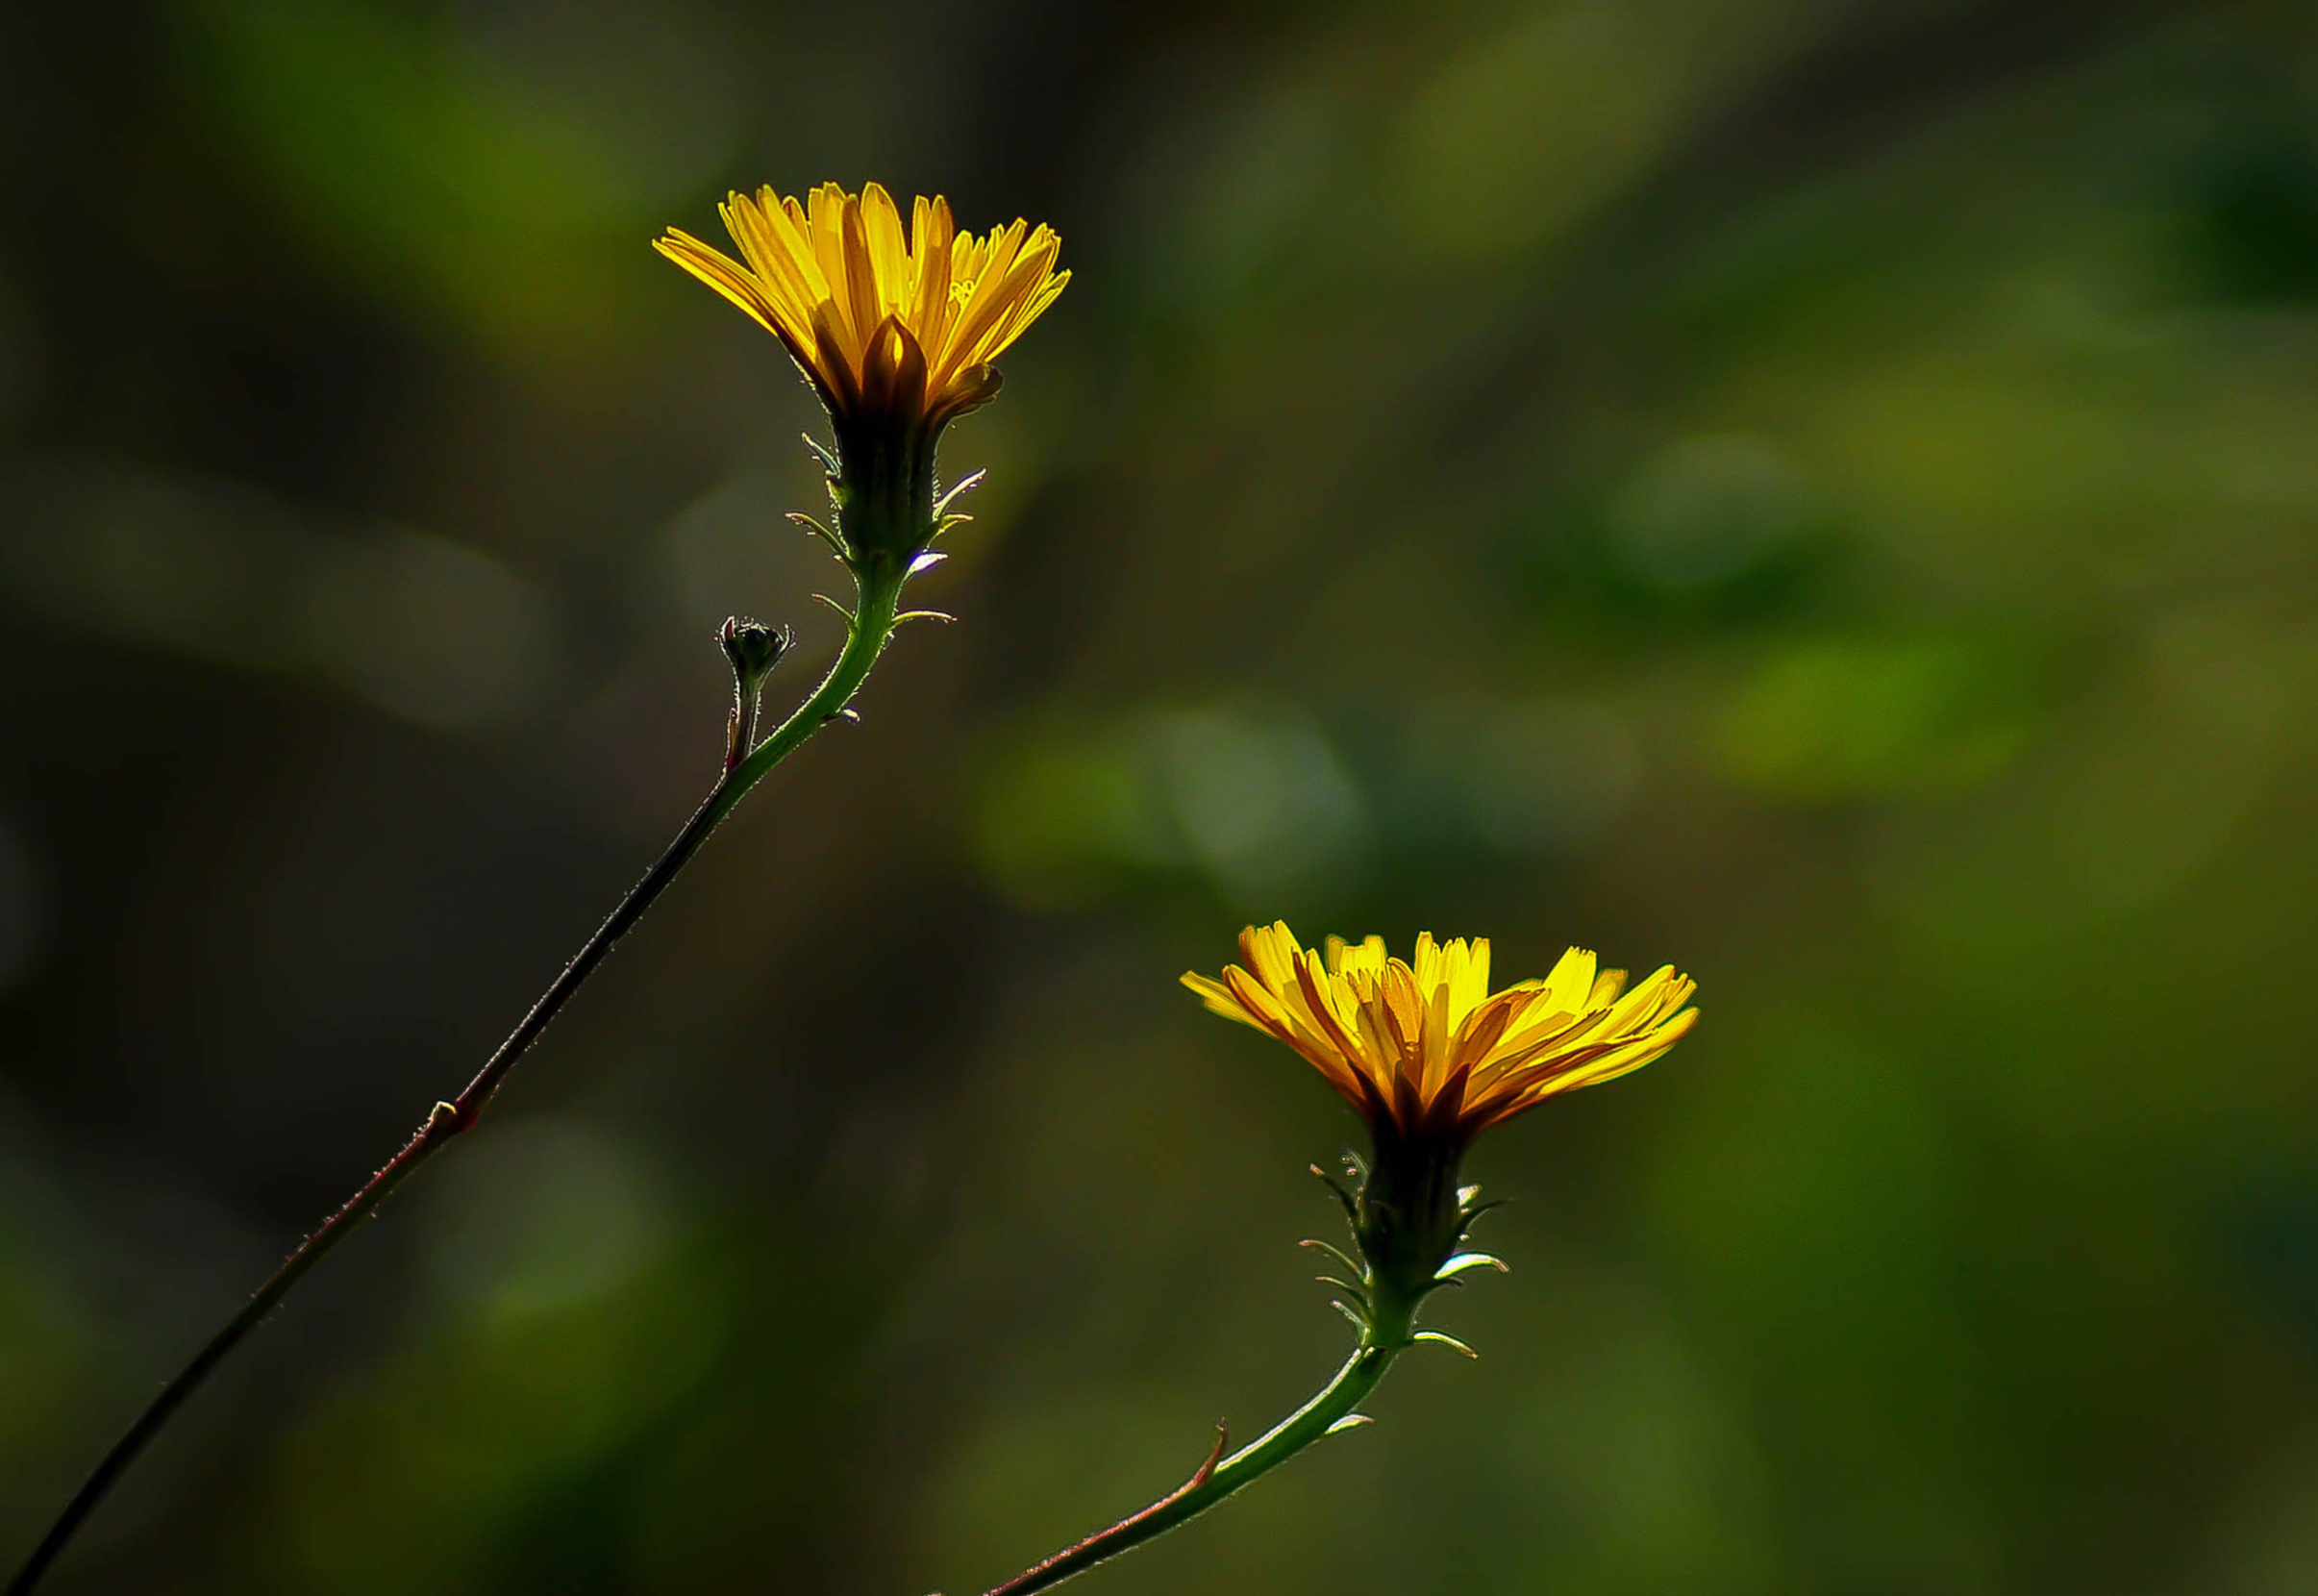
1820	492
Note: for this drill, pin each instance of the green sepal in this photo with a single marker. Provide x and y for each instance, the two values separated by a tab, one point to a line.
1351	1264
1352	1209
837	544
1469	1210
971	480
1463	1262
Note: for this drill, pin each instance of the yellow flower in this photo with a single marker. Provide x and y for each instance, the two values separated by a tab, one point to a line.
889	329
1423	1049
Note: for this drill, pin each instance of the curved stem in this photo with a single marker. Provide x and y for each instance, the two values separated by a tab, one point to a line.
1381	1342
879	586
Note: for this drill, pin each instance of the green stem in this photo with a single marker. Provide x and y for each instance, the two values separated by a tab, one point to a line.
879	586
1381	1342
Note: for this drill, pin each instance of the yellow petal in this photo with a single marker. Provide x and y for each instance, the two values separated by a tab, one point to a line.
1219	999
888	253
1468	971
1425	963
826	234
860	298
1011	303
1269	952
930	235
1366	956
721	273
754	229
1571	980
791	236
984	303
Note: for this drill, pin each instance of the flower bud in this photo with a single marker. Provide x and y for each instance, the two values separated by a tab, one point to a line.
753	647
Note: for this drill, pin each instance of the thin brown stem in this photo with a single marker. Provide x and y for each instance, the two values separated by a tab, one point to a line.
871	629
1119	1536
1331	1411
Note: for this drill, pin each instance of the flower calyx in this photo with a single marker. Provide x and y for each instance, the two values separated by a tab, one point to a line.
1409	1221
753	649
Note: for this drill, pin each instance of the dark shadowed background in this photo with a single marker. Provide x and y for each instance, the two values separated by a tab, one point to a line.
1818	492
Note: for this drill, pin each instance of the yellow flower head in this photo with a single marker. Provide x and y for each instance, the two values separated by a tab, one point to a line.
1423	1049
888	328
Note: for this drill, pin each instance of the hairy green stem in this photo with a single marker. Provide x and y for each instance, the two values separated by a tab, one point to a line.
879	580
1386	1336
